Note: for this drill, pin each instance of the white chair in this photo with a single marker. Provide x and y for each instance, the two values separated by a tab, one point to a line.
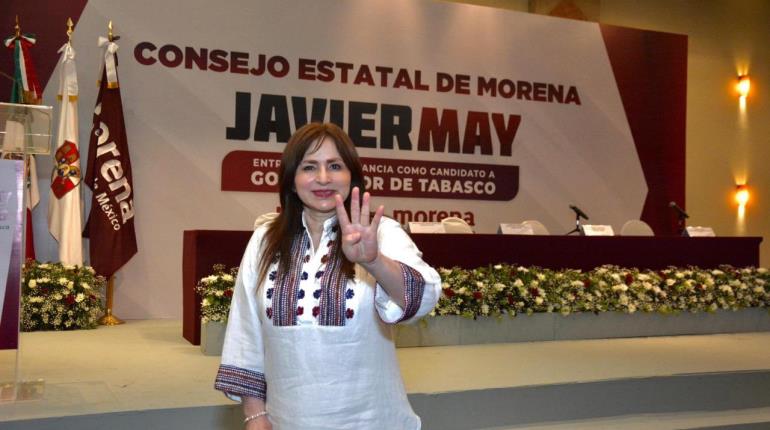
456	225
537	227
264	218
636	227
425	227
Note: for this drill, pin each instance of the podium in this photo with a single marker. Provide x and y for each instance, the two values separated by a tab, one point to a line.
24	130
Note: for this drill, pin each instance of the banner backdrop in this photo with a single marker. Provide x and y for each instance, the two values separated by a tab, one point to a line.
493	116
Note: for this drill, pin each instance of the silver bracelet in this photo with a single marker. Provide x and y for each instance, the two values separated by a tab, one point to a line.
253	417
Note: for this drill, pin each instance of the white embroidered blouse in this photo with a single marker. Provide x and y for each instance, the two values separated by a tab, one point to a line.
323	357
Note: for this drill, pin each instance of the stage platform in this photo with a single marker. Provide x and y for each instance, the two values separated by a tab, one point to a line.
145	375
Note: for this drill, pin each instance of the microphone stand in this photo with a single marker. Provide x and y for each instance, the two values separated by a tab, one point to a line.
577	225
681	223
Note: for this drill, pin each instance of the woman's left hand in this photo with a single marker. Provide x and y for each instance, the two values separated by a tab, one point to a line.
359	235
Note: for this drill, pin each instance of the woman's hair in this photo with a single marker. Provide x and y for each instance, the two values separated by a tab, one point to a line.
277	242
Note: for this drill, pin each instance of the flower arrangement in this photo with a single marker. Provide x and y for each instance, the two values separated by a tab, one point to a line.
509	290
216	292
503	289
59	297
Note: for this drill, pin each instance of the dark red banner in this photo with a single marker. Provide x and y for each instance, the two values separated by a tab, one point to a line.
258	172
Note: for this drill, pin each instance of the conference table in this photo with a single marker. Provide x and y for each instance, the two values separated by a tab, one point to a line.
204	248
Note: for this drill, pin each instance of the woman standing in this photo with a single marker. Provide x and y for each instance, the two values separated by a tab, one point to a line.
309	340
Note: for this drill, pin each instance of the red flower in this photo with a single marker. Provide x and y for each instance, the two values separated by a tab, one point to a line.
70	299
349	313
316	311
586	283
510	299
629	278
300	310
534	292
699	287
477	295
448	292
228	293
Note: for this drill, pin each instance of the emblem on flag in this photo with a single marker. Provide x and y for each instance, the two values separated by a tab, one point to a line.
66	175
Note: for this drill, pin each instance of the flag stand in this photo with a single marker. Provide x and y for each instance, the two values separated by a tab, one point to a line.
109	318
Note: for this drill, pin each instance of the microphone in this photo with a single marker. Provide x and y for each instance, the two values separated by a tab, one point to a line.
682	214
578	212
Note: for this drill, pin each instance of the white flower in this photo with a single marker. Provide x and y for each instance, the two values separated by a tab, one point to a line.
615	277
601	271
44	279
480	284
623	299
643	277
717	272
620	287
43	266
227	277
670	282
499	287
485	309
219	293
631	308
761	270
759	290
518	283
498	266
57	296
80	297
576	283
70	285
647	286
444	285
63	281
462	290
539	300
534	284
522	269
541	276
32	283
69	266
205	302
85	285
679	275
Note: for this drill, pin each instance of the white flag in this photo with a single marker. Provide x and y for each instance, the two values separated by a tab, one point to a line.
64	219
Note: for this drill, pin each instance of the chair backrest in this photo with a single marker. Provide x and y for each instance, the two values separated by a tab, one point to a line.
262	219
636	227
454	224
537	227
425	227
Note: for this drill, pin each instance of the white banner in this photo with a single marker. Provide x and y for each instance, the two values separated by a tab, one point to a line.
489	115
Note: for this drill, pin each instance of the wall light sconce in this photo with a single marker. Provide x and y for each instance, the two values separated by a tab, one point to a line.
743	85
742	195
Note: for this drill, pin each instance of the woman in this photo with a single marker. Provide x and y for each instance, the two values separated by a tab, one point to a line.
309	340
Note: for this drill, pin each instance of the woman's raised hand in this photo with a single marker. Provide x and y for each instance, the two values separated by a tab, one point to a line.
359	235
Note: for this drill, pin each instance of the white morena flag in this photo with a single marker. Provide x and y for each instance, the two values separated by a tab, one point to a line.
64	219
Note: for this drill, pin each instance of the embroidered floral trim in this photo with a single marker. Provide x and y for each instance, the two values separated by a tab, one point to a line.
414	286
332	300
241	382
287	284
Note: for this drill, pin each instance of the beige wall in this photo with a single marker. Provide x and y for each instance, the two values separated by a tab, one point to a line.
723	145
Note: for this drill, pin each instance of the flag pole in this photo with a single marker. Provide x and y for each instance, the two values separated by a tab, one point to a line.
109	318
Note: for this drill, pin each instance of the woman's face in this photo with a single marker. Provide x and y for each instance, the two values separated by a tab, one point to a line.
320	176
